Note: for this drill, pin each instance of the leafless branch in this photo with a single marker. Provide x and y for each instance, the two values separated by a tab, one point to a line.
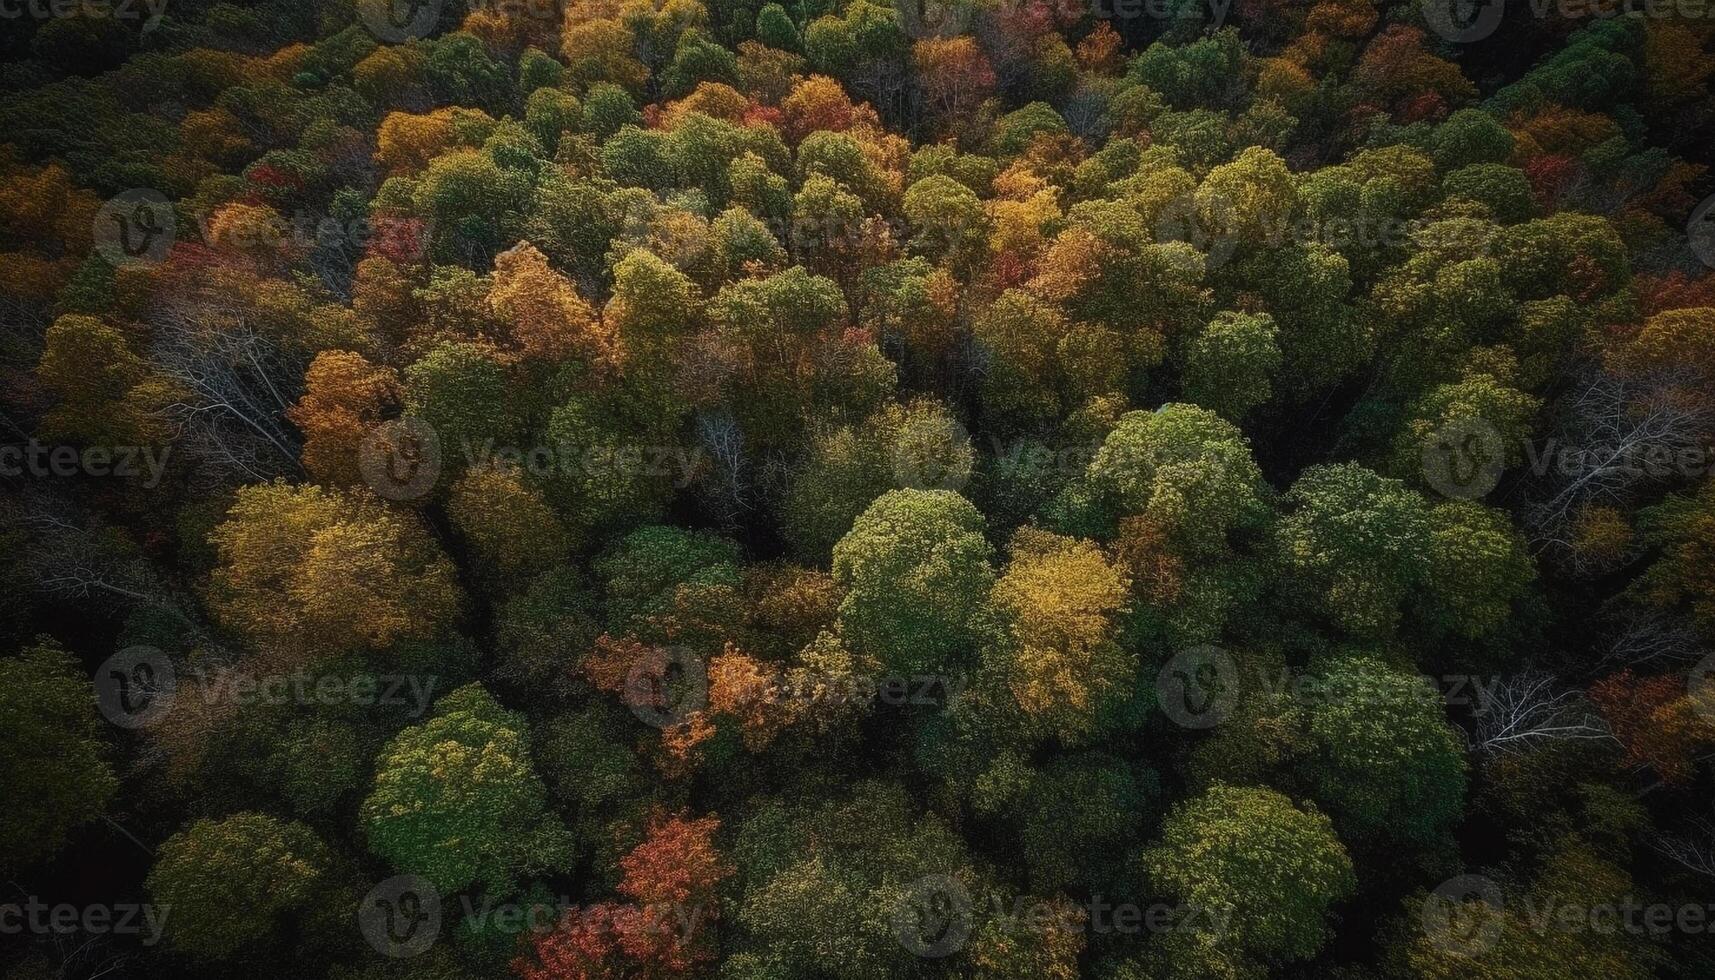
1525	710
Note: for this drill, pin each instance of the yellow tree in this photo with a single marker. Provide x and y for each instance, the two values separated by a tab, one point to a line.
1058	601
323	570
345	397
105	389
512	532
543	312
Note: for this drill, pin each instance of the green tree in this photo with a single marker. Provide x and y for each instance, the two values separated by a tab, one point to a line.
233	884
1479	566
1352	545
819	886
1250	854
1187	471
774	28
56	771
657	576
472	203
1386	763
947	219
1467	137
917	570
1076	818
1231	363
457	799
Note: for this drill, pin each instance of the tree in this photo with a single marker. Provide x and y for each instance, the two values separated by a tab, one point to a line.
1013	132
1250	854
234	884
955	77
1017	336
457	799
916	570
1479	567
916	446
541	630
1622	422
820	884
1679	577
58	762
949	220
654	576
671	877
546	316
1192	73
345	398
773	325
1660	721
1504	942
104	389
1251	201
1305	289
1467	137
1386	763
1504	190
1481	403
1230	364
1186	471
1672	340
1527	710
652	302
1078	815
1352	545
774	28
325	569
460	391
1058	604
471	202
511	531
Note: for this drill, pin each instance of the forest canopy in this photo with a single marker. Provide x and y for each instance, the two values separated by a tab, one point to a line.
581	489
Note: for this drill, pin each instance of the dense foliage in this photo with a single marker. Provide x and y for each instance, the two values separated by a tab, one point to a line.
759	490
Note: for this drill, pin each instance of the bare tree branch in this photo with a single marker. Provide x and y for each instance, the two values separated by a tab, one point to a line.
1528	709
